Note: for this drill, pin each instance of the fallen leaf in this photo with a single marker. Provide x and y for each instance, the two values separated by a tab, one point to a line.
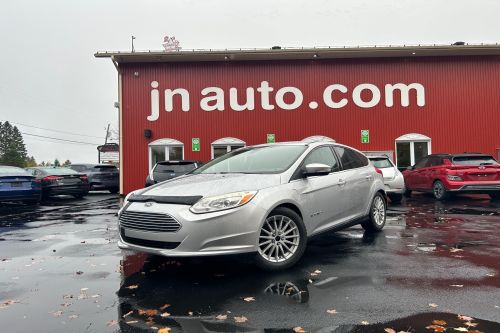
131	287
241	319
461	329
249	299
433	305
436	328
66	304
299	329
389	330
490	275
470	324
95	296
439	322
317	271
148	312
10	302
454	249
73	316
164	330
332	311
465	318
57	313
79	272
164	307
165	314
456	285
364	322
112	323
404	332
128	314
132	322
221	317
67	296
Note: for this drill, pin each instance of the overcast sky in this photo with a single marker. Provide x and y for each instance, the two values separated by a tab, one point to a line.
50	78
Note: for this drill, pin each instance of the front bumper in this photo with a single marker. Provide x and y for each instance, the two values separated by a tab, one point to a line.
395	185
232	231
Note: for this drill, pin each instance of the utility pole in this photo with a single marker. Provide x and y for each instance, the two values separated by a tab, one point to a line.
107	135
133	49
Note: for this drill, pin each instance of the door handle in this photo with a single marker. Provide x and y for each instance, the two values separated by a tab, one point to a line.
369	177
341	182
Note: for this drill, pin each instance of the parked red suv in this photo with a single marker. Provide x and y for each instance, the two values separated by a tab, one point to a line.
445	174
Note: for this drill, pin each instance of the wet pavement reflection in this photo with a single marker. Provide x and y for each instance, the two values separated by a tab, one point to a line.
435	267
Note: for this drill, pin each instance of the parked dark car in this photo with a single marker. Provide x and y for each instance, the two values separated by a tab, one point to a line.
445	174
166	170
58	181
101	176
17	184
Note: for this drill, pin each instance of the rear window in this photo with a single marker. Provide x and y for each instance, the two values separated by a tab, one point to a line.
174	168
106	168
59	171
381	163
8	170
474	160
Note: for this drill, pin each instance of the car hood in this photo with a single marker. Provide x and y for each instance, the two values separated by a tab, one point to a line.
212	184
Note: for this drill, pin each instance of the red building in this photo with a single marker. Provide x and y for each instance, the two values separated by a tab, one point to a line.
403	101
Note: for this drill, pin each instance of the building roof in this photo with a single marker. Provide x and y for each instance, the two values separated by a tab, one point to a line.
120	57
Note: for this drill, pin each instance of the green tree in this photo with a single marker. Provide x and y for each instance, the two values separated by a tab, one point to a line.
12	148
30	162
67	163
57	163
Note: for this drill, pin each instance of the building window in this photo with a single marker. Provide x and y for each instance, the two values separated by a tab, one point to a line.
411	148
225	145
165	150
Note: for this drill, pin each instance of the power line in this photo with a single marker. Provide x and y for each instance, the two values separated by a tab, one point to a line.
28	139
48	137
53	130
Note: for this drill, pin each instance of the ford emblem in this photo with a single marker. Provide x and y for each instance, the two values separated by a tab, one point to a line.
148	204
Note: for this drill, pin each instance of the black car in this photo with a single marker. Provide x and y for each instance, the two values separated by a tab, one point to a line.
58	181
166	170
101	176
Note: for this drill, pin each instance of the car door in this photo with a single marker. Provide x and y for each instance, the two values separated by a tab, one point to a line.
416	175
430	172
324	196
357	173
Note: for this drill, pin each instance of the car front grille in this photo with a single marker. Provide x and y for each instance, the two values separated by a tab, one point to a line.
149	243
148	221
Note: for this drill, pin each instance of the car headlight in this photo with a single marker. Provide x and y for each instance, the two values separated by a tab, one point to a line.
222	202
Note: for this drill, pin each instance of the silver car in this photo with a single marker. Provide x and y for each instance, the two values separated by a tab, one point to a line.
393	178
267	199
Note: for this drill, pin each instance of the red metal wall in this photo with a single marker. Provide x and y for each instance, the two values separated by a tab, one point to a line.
462	111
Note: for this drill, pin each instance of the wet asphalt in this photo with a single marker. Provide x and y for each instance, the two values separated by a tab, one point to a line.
432	267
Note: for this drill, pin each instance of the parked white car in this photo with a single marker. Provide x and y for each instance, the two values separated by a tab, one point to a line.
267	199
393	178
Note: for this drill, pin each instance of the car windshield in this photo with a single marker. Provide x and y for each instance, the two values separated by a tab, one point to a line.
474	160
381	163
8	170
170	168
105	168
263	159
59	171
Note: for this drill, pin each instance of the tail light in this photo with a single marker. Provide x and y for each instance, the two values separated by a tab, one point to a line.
51	179
379	171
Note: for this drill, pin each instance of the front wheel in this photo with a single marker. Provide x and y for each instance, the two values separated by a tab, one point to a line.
282	240
376	217
439	190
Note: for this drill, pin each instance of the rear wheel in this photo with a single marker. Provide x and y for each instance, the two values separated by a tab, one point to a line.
395	197
439	191
282	240
376	217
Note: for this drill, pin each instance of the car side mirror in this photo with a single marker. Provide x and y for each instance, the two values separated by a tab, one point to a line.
316	169
411	167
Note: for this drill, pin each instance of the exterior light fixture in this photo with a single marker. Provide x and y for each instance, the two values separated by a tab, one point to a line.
148	133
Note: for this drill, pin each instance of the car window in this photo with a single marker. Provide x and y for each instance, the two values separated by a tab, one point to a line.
433	161
381	163
105	168
59	171
350	159
422	163
260	159
474	160
177	168
323	155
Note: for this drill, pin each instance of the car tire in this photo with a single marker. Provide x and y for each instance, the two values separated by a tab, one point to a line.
439	191
407	193
395	197
79	196
282	240
377	214
113	190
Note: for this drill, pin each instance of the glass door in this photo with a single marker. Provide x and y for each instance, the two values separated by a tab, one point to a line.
410	152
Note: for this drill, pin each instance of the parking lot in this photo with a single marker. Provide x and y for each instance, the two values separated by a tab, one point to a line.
60	270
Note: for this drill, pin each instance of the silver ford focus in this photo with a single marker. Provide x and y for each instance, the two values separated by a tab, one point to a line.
267	199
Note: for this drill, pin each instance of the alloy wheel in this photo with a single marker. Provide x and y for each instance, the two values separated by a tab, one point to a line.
279	238
378	210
